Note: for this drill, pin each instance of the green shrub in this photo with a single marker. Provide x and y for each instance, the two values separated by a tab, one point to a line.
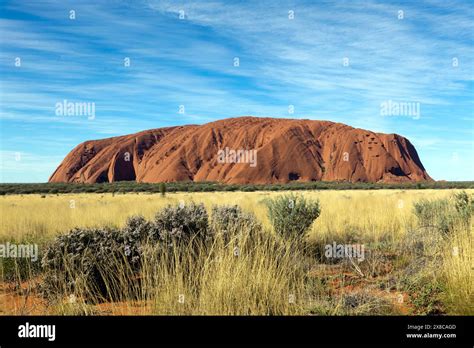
163	189
96	258
464	205
434	213
229	220
105	263
292	215
136	232
445	214
85	259
181	222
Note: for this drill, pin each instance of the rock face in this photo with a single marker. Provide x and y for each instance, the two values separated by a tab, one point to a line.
246	150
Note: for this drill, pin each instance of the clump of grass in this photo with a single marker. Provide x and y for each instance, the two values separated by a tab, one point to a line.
20	268
456	272
418	276
242	277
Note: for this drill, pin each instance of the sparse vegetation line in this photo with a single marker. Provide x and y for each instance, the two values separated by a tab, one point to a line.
132	186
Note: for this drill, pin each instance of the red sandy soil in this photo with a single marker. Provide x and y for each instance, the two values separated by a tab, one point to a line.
23	299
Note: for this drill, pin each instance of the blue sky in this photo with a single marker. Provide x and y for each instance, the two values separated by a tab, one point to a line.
333	60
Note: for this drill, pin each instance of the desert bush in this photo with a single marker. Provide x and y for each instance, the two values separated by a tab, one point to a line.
135	233
163	189
229	220
428	211
445	214
292	215
464	205
104	262
182	222
85	260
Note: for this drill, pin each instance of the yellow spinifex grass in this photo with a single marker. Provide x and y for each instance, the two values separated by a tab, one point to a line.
372	212
241	276
457	273
268	276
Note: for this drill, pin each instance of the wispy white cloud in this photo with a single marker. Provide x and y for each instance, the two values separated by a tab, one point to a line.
283	61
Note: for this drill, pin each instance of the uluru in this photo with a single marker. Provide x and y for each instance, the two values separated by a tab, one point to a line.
246	150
